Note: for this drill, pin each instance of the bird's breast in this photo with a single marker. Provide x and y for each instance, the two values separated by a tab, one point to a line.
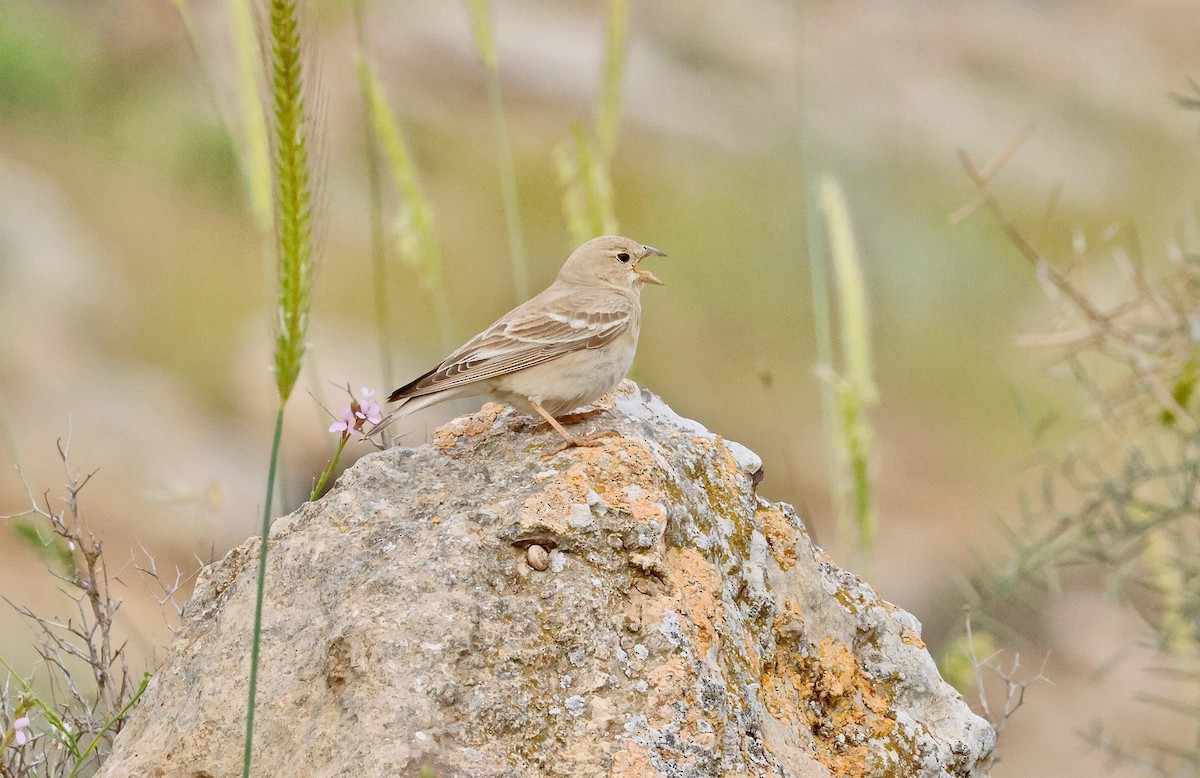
576	379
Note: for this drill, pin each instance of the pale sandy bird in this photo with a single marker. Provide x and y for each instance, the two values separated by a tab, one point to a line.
561	350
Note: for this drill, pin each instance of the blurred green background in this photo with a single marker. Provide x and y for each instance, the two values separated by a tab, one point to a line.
135	288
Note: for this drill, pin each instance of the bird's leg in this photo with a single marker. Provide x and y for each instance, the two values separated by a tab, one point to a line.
569	440
571	418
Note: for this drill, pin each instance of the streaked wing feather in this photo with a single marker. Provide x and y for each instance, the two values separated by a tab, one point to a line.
530	335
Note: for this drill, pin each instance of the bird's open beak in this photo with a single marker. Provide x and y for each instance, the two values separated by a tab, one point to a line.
645	276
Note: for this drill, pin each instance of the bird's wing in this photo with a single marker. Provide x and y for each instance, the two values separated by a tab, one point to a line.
538	331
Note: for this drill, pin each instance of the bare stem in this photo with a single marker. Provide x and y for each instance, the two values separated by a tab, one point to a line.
258	598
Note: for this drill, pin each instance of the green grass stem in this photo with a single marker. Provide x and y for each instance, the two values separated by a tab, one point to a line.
844	368
854	386
415	222
294	267
378	244
252	694
62	733
584	162
485	47
815	248
109	724
616	52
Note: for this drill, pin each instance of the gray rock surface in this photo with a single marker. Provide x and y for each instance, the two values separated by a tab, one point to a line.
681	626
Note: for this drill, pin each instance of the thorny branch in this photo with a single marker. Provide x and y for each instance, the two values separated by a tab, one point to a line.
81	718
1118	332
1015	687
1125	502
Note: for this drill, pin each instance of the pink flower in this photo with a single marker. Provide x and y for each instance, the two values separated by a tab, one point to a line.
346	425
20	727
368	409
362	409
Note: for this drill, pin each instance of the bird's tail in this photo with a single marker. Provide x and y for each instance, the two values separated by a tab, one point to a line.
407	391
388	420
409	405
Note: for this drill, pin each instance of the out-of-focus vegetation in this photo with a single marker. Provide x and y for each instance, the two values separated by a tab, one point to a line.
135	287
848	386
1121	500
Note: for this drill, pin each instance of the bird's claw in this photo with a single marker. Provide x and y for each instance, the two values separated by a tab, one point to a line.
591	439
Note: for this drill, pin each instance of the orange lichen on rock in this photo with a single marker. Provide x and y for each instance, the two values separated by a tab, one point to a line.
616	471
827	691
666	689
779	698
673	703
726	466
627	476
695	592
781	535
911	638
728	460
549	508
447	435
790	623
849	699
632	761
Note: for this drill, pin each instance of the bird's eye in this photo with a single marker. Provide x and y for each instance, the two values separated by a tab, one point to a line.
623	256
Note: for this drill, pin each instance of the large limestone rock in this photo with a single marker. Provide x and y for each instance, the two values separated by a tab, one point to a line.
682	626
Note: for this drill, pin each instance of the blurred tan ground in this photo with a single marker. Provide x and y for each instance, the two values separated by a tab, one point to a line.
134	294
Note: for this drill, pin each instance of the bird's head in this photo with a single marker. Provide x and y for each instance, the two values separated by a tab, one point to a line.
610	260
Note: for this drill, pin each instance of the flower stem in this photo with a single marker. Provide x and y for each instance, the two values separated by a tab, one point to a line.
258	602
320	486
110	724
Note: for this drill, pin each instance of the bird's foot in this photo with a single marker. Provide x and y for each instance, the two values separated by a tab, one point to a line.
570	418
590	439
